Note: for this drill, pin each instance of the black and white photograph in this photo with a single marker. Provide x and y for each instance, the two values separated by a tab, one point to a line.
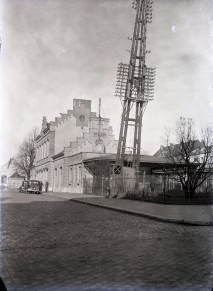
106	145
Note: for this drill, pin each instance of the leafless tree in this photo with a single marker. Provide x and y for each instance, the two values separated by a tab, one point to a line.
26	154
192	159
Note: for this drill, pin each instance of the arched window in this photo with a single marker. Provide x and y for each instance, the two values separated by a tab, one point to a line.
36	154
79	175
42	151
70	176
45	150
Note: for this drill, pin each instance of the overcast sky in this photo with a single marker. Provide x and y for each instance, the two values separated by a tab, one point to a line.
56	50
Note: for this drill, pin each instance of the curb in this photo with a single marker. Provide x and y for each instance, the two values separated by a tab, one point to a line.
150	216
154	217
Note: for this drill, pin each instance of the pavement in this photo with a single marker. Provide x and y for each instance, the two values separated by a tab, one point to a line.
51	244
199	215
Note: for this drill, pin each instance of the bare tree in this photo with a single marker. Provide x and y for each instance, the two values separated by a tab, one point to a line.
192	160
26	154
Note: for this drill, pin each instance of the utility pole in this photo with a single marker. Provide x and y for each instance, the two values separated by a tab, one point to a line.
99	120
99	141
135	86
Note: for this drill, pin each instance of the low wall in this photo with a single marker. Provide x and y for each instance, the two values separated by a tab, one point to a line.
14	183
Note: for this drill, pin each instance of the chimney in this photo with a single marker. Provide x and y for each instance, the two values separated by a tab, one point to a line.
44	122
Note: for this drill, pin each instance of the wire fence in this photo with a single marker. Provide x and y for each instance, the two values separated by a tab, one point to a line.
153	188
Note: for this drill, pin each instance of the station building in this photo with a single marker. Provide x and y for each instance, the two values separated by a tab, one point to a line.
63	145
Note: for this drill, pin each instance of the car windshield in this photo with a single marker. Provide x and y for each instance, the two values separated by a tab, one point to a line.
33	183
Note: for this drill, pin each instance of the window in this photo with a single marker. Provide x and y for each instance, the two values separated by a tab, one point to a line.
82	118
117	170
79	175
39	152
47	148
42	151
3	179
70	176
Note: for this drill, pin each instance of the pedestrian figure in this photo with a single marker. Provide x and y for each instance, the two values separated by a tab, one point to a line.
46	186
108	190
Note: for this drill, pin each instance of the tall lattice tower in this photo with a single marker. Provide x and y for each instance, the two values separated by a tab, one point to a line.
135	87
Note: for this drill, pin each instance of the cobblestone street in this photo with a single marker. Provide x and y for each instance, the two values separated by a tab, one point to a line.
48	243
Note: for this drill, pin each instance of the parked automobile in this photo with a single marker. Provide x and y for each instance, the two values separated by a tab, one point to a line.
23	187
31	186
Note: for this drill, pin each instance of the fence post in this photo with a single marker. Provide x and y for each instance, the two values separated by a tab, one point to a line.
102	185
164	187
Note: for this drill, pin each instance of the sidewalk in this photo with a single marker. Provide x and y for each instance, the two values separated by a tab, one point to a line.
185	214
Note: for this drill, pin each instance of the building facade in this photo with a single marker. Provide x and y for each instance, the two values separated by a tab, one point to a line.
10	175
63	144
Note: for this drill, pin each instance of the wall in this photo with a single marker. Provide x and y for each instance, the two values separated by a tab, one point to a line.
14	183
99	139
58	175
45	149
66	132
6	171
72	126
69	172
59	157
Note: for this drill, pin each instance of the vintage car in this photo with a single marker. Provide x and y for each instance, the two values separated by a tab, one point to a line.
31	186
23	187
34	186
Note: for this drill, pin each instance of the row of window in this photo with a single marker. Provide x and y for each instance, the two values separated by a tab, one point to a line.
42	151
42	175
74	176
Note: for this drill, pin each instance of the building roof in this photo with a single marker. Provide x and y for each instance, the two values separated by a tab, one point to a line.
174	148
128	158
16	175
58	155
